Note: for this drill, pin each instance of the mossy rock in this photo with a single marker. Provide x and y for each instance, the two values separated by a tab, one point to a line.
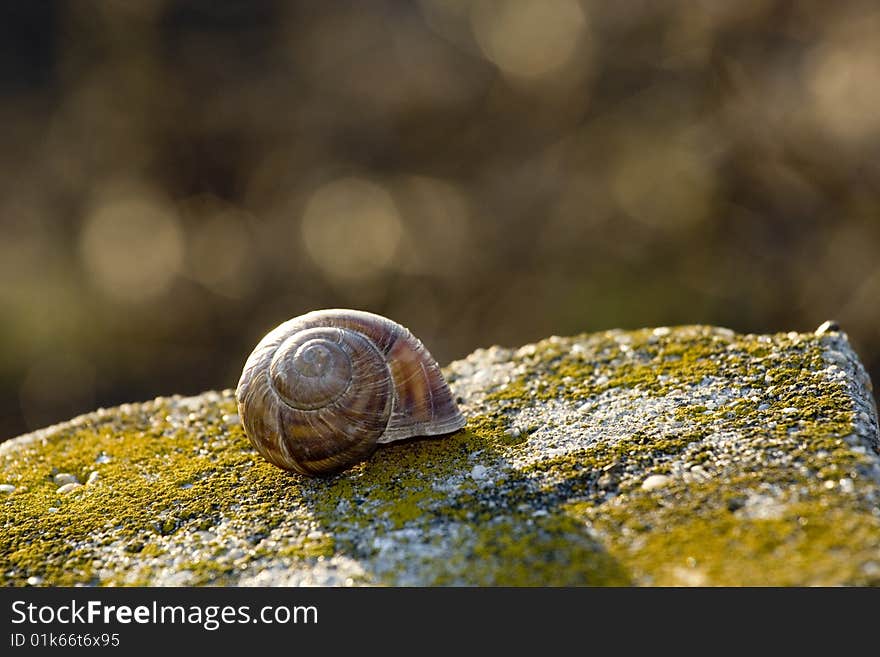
682	456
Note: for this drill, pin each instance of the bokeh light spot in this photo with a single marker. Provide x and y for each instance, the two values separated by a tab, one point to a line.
843	81
438	223
667	183
351	229
219	247
528	38
132	246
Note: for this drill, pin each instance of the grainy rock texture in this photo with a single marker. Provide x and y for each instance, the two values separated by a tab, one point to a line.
682	456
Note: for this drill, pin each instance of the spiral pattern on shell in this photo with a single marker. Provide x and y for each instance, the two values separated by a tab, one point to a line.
322	390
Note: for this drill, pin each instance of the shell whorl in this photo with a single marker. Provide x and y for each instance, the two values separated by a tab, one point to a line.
322	390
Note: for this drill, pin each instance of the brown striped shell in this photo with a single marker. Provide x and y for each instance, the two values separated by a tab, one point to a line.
322	390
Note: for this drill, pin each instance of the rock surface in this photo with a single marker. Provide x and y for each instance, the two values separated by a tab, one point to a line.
683	456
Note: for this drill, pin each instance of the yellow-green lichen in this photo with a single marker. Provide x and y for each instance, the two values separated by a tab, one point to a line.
555	551
153	481
701	534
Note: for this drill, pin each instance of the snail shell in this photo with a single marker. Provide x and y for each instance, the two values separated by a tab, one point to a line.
322	390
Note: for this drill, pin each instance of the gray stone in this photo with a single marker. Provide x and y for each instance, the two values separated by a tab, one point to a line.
667	456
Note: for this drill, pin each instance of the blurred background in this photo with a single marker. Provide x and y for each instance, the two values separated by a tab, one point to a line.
178	177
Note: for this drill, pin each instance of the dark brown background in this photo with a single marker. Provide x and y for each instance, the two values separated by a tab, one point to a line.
179	177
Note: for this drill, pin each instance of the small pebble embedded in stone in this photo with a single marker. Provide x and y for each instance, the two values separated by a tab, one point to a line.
827	327
655	481
479	472
7	488
64	478
68	488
